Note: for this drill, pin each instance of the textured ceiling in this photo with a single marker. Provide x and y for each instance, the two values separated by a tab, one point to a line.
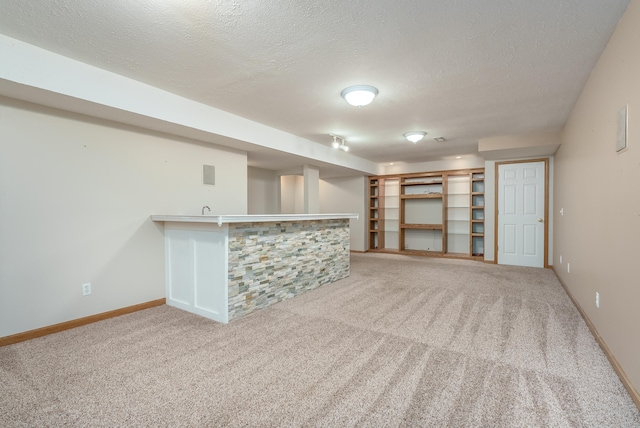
462	69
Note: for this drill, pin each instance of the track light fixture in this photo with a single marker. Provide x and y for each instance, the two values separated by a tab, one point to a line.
342	144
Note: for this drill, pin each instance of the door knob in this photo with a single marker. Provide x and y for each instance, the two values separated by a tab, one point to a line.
540	220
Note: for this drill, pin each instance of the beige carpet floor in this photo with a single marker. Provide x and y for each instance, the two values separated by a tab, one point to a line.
404	341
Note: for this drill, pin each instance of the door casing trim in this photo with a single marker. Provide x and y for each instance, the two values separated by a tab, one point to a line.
546	206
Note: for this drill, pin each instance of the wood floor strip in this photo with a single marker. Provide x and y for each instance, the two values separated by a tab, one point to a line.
39	332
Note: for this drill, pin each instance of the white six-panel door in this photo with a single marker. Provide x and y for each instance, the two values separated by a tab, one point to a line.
521	213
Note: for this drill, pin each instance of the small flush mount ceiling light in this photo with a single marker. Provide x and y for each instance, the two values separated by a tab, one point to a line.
339	143
359	95
415	136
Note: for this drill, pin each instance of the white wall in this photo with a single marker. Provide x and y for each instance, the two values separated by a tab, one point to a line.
75	200
347	195
262	192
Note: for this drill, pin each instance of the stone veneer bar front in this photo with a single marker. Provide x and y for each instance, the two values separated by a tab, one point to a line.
225	267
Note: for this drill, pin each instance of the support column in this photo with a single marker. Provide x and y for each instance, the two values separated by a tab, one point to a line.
311	189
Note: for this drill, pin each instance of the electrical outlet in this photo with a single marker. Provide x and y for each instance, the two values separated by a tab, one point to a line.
86	288
597	300
568	268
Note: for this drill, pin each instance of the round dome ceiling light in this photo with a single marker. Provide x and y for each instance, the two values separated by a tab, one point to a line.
359	95
415	136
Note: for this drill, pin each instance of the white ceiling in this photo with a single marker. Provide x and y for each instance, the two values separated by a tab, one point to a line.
461	69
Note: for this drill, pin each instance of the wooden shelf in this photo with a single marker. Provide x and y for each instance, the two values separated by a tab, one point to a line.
420	183
422	196
423	252
422	226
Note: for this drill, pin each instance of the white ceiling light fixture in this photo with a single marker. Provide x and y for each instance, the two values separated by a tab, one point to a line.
359	95
342	145
415	136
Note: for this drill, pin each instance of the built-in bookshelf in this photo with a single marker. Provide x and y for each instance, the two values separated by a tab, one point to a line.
432	213
422	202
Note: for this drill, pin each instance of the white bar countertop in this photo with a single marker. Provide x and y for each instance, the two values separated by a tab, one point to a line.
252	218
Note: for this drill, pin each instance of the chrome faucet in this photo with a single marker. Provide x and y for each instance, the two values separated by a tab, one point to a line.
207	207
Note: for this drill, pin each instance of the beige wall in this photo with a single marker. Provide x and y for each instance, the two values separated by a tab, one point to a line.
292	194
599	192
539	144
311	183
75	200
469	161
336	195
262	192
347	195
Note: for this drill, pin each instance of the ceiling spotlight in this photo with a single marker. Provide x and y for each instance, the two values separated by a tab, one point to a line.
415	136
360	95
440	139
342	145
335	143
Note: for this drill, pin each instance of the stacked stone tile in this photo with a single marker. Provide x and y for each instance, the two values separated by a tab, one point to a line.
271	262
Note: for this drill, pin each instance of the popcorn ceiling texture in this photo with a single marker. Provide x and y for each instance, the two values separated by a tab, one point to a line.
271	262
463	69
